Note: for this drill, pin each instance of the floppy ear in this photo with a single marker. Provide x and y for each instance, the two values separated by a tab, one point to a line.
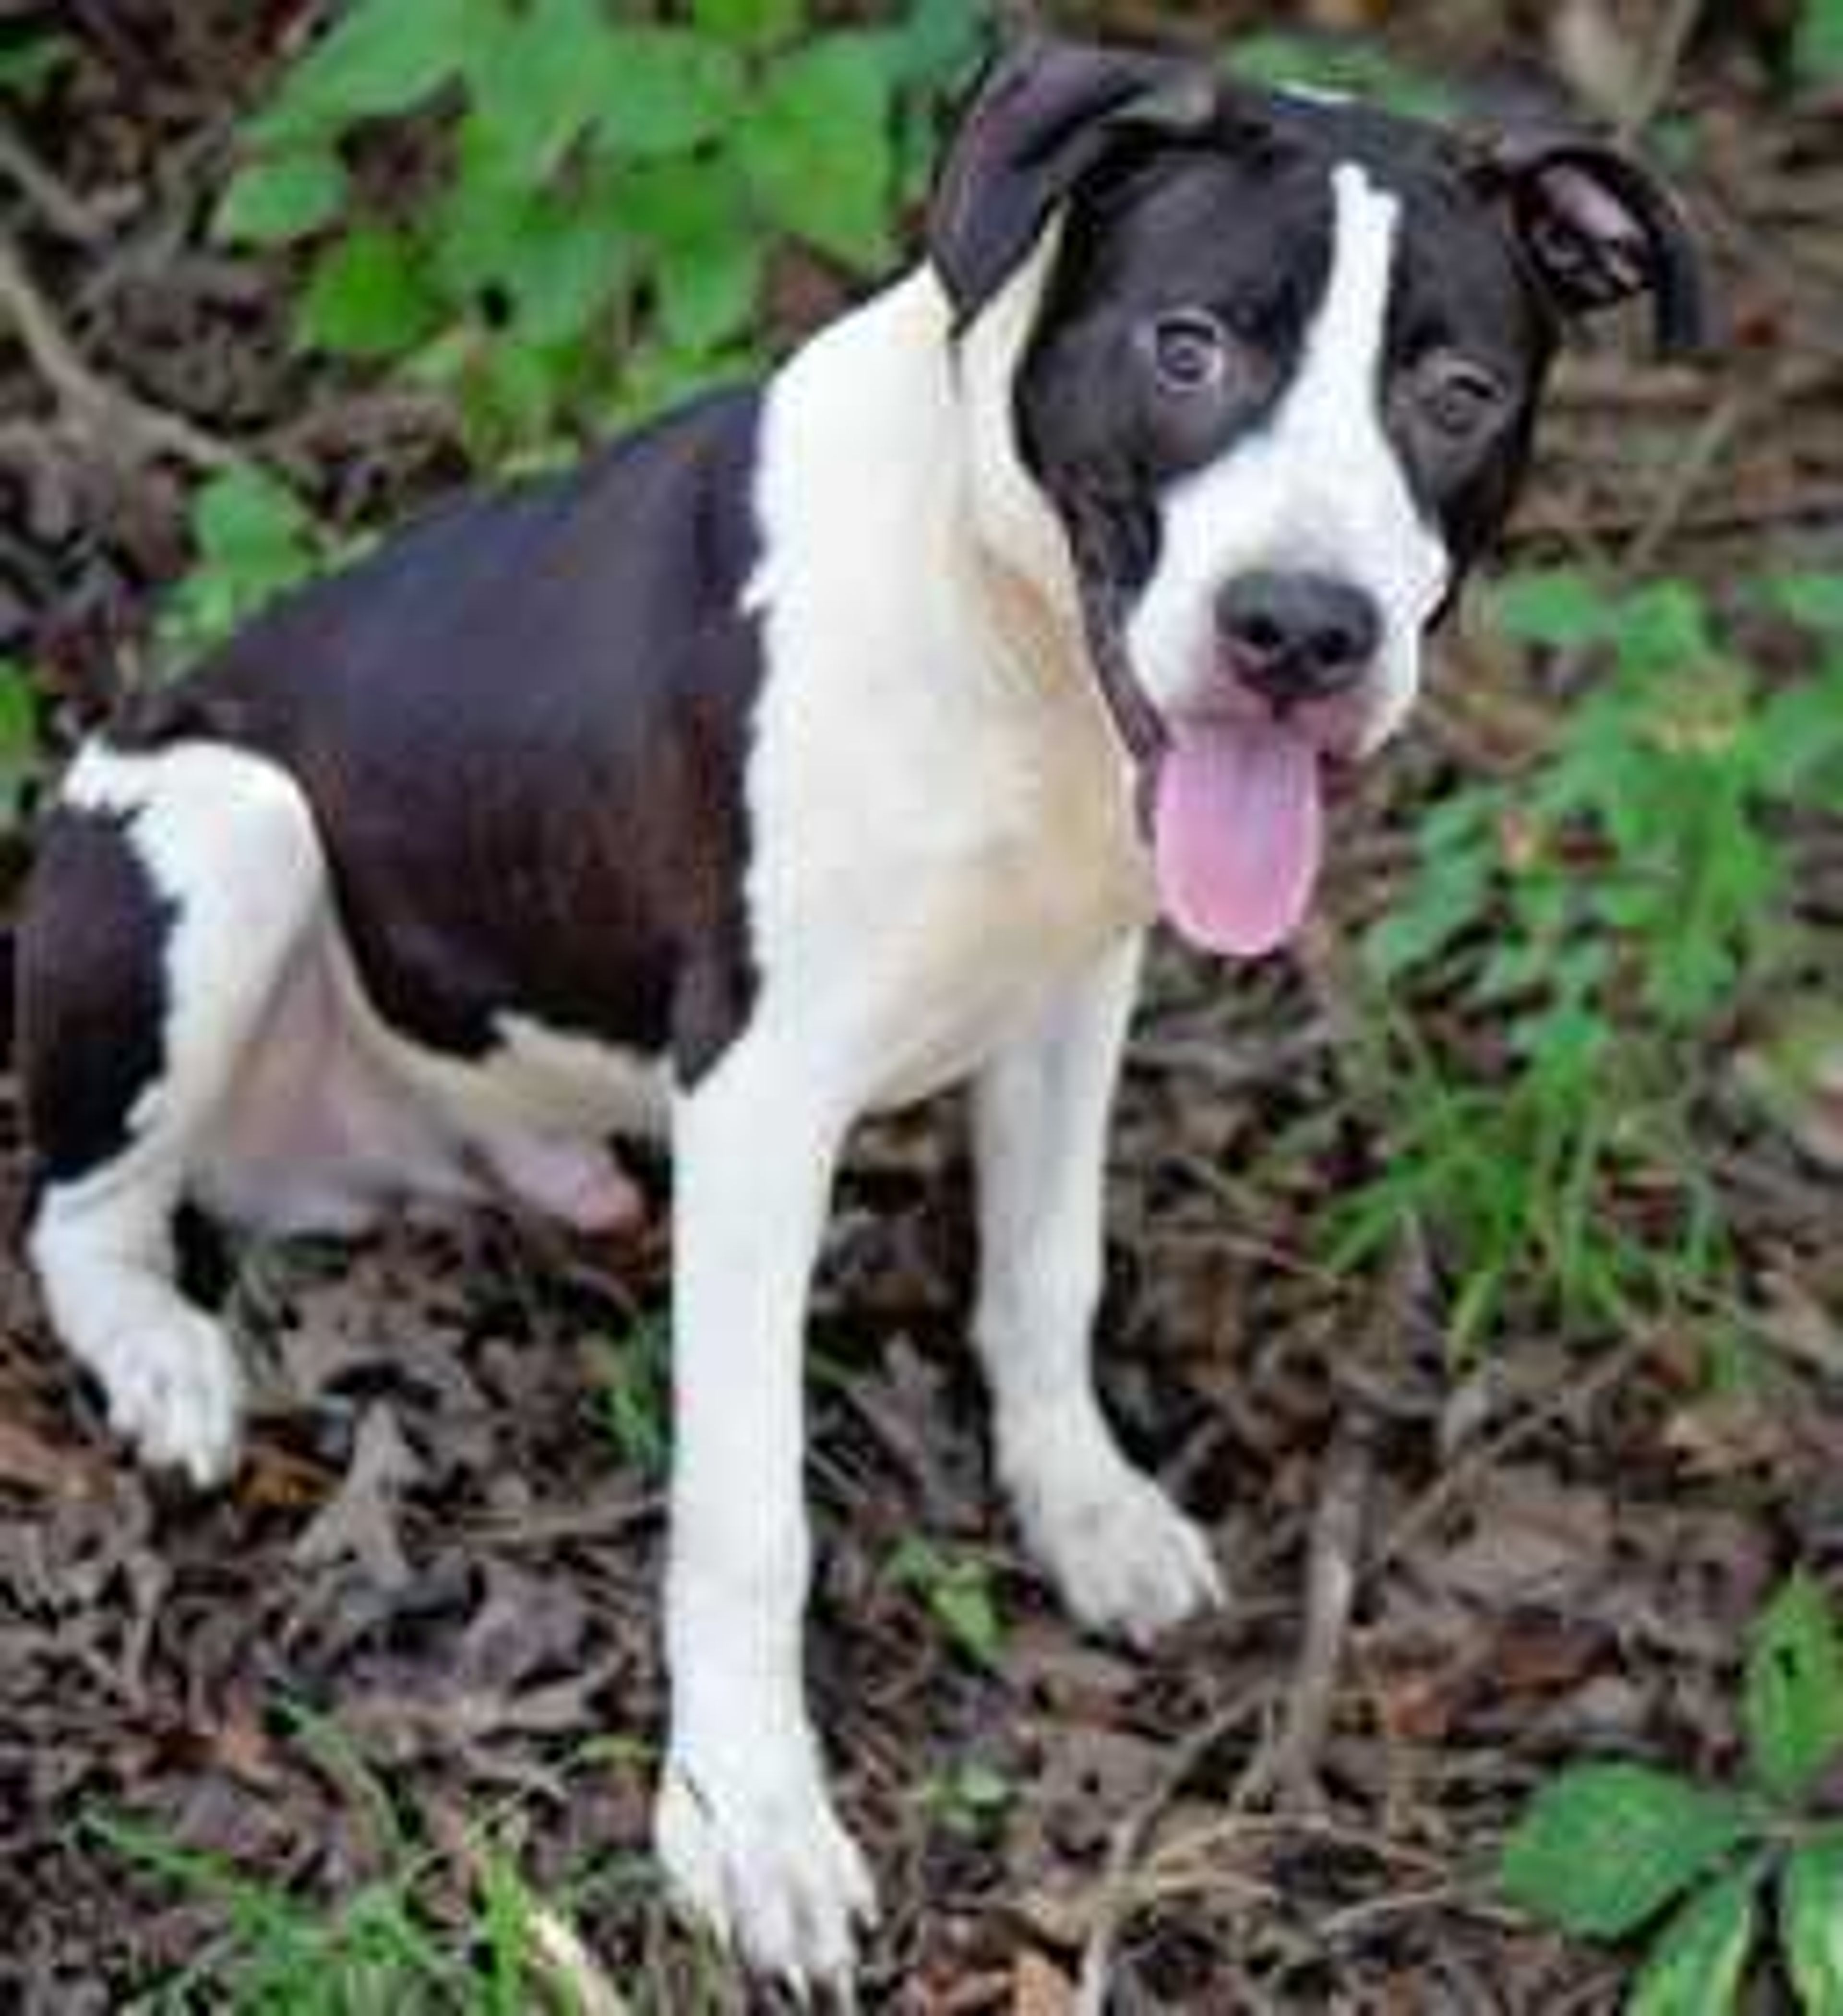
1598	228
1045	113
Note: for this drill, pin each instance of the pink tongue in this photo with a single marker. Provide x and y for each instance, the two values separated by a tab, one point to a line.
1238	833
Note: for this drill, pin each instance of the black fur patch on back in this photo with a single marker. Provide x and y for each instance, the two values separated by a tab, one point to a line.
521	725
92	992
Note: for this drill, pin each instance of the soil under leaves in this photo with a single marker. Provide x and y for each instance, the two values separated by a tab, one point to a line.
437	1574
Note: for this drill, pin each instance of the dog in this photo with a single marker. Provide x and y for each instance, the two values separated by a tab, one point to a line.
829	741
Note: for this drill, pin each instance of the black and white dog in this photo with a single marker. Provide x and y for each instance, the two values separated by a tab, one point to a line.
822	745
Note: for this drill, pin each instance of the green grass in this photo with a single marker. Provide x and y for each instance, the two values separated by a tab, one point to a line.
1550	1003
453	1931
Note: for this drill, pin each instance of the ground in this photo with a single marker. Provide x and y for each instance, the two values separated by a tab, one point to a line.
414	1647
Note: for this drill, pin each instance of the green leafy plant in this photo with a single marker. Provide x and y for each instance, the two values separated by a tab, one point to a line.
1595	917
455	1926
957	1590
1818	47
252	538
592	232
1605	1849
1358	68
633	1384
31	64
19	755
969	1799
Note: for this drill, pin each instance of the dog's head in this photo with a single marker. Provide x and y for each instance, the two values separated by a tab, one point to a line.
1271	361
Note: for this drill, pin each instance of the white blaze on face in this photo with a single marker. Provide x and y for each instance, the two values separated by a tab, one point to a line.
1317	489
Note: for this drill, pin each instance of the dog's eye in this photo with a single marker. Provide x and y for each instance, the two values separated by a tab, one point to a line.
1458	399
1189	350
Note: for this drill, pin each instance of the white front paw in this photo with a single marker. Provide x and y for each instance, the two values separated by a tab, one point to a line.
176	1391
1125	1560
753	1848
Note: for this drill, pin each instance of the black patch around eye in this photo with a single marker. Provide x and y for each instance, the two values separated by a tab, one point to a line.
1460	405
1189	350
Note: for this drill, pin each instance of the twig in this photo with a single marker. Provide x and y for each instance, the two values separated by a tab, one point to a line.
572	1967
1710	442
101	409
1453	1482
1130	1836
1338	1530
1661	65
62	210
1817	501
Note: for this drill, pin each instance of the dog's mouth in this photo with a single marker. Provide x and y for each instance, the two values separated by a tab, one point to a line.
1235	805
1232	794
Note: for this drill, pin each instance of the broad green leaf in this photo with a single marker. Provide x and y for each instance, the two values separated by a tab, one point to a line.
1663	629
1560	606
510	398
380	57
478	222
749	23
564	273
819	151
1811	1923
663	90
281	197
1695	1967
958	1591
366	298
1818	51
254	538
1815	600
708	294
243	514
936	41
706	261
1793	1705
963	1604
27	67
1604	1847
538	82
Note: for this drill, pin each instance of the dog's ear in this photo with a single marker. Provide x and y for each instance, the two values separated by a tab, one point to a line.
1598	228
1045	113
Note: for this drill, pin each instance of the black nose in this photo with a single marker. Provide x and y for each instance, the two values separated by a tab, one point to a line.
1296	637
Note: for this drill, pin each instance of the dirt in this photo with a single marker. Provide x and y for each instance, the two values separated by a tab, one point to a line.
440	1552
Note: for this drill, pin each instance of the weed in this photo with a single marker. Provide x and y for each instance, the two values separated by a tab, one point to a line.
1817	48
31	64
956	1589
1360	69
1594	921
19	755
969	1799
595	240
633	1383
1606	1848
253	538
459	1929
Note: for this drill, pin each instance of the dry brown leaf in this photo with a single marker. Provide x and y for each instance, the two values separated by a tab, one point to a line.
1039	1987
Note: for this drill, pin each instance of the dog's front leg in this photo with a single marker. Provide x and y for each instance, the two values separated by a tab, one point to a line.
1123	1557
744	1827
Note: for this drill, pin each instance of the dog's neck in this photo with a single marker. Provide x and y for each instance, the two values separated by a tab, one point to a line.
969	508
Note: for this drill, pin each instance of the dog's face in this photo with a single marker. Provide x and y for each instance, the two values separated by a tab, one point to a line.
1278	391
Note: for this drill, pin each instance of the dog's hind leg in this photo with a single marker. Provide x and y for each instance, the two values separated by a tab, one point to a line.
1123	1557
173	888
